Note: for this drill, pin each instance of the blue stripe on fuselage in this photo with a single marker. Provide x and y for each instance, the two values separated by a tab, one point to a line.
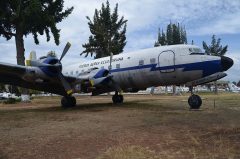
208	67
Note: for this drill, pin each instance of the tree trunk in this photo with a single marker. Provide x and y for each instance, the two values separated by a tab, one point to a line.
20	48
21	60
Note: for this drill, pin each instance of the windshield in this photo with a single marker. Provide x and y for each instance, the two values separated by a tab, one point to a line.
194	51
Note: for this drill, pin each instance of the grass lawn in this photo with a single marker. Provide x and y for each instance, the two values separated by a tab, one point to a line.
145	126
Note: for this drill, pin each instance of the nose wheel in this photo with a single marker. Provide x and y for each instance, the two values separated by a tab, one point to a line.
194	100
69	101
117	99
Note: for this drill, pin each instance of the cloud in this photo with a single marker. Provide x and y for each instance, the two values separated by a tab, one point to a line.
233	72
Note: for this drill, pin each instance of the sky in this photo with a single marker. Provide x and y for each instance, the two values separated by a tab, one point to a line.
202	19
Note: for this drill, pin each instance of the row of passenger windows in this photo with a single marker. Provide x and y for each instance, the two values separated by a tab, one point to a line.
152	61
141	62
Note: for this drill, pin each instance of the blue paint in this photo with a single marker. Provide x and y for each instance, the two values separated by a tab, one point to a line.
208	67
51	71
100	73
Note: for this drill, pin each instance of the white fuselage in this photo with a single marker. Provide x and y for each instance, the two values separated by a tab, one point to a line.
164	65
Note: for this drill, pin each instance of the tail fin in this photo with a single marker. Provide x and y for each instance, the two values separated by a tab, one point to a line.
32	57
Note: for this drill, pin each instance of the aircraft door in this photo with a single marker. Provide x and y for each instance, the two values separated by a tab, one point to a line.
166	61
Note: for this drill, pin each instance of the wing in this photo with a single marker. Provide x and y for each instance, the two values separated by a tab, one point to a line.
14	75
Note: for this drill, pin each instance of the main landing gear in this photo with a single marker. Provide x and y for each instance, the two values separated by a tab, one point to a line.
68	101
194	100
117	99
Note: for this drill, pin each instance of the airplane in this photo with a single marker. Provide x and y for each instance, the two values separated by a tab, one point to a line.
233	88
125	72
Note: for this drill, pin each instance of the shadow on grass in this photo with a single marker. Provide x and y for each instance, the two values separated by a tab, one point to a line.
152	105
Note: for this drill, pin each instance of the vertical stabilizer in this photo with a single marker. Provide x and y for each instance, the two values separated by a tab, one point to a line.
33	56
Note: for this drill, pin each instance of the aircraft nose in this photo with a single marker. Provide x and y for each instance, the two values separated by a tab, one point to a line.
226	63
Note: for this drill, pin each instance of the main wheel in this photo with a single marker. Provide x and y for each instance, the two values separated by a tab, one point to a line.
68	102
117	99
194	101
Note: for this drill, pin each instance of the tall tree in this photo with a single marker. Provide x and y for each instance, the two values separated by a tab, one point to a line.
215	48
108	33
20	18
2	87
175	34
169	34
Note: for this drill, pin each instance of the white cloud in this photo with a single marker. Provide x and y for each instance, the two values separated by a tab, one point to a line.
233	72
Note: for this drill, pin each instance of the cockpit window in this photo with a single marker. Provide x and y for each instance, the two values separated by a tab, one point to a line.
196	51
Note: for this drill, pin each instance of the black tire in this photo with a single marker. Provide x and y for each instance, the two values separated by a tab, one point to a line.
68	102
194	101
64	102
73	101
121	98
117	99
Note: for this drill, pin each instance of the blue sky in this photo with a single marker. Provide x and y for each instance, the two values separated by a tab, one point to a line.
202	19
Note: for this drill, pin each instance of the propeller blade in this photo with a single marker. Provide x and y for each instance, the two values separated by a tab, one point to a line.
68	45
65	84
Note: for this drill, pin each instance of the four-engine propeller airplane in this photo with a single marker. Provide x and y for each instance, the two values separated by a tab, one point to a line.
129	72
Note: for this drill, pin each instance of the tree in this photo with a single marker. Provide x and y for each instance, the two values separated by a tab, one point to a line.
2	87
108	33
215	48
20	18
175	34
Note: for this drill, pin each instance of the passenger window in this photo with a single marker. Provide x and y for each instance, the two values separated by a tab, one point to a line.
71	73
152	60
117	65
141	62
76	72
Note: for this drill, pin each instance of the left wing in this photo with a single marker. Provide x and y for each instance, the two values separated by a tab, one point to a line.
32	78
97	81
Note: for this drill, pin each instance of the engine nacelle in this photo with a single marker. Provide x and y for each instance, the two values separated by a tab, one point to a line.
94	79
51	70
98	73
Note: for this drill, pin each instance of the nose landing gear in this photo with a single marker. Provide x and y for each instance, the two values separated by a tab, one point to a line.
194	100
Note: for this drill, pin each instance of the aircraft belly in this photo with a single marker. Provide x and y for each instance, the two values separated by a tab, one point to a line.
186	76
133	79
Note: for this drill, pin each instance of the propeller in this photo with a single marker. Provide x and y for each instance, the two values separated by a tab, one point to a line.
64	82
65	50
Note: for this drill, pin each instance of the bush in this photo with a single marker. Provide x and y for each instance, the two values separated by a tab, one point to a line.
12	100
